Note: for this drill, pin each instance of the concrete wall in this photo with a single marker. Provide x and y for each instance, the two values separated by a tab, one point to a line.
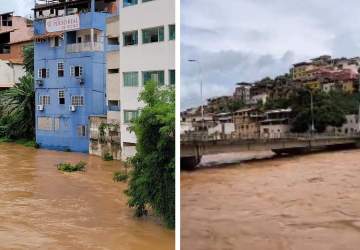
10	74
274	131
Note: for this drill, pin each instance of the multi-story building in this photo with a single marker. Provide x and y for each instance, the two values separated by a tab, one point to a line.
105	129
247	123
147	52
69	70
15	33
242	92
276	123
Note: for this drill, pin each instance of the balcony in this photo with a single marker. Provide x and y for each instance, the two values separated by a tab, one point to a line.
84	47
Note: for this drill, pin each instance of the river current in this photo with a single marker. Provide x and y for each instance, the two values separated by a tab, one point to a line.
42	208
309	202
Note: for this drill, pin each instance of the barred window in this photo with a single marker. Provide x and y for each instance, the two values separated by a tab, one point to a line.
61	97
60	69
76	71
43	73
44	100
77	100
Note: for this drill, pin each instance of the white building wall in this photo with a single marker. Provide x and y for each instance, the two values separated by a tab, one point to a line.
10	74
143	57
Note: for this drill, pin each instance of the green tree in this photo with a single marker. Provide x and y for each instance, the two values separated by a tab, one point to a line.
18	109
328	111
28	52
152	181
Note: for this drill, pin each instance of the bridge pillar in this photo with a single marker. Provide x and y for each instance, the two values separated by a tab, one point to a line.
189	163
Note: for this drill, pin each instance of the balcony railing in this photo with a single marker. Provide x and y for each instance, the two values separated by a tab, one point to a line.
83	47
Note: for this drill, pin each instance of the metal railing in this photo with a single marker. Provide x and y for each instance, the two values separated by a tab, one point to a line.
83	47
205	137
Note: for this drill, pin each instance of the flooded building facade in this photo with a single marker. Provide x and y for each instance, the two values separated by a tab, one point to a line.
147	53
70	52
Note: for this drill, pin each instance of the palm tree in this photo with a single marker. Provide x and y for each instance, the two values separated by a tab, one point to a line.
18	109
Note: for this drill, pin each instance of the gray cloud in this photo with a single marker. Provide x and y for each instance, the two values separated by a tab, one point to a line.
246	40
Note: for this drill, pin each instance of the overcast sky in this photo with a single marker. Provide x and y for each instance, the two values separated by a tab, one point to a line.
21	7
247	40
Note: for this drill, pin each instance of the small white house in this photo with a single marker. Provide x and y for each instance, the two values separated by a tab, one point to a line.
350	127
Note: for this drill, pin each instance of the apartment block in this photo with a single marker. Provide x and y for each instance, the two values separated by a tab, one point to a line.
105	129
70	70
147	53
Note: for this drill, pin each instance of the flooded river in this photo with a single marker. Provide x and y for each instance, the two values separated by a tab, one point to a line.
42	208
307	202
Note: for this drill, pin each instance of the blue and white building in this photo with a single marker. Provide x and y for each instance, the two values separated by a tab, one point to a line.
70	70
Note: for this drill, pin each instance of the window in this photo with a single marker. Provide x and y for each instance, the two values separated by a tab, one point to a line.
60	69
130	38
45	123
129	115
113	41
131	79
153	35
44	100
113	71
155	76
77	100
130	2
172	77
55	42
81	130
76	71
61	97
172	32
87	38
114	105
43	73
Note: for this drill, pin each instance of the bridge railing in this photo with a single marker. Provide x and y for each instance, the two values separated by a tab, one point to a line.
205	137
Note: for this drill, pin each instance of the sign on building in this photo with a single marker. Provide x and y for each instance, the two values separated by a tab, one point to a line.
63	23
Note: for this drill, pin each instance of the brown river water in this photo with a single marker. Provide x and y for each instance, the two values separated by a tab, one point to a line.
42	208
309	202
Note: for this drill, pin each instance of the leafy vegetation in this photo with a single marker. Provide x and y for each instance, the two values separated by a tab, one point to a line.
68	167
28	52
152	180
18	110
108	157
330	108
120	176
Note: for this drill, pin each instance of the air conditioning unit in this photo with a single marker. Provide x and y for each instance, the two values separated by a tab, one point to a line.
40	82
72	108
40	107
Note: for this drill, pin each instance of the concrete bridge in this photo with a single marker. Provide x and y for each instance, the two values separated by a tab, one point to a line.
193	148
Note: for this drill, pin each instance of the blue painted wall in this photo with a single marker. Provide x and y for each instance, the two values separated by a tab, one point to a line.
93	89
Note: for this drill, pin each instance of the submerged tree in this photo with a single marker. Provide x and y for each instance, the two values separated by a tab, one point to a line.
18	109
152	181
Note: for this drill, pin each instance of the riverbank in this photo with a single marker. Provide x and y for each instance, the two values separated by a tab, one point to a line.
299	202
43	208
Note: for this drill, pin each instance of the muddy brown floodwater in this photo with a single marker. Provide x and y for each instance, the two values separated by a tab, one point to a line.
42	208
307	202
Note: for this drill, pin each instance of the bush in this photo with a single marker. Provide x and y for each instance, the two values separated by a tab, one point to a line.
67	167
108	157
152	179
120	176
